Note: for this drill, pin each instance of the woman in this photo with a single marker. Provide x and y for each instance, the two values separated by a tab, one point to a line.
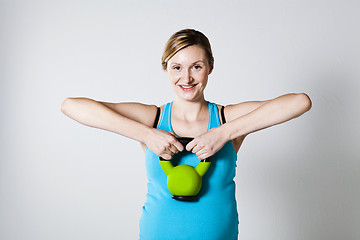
217	131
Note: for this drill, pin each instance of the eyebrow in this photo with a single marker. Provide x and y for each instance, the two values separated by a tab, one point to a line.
175	63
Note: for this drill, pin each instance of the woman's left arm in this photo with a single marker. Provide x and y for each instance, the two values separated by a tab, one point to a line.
246	118
270	113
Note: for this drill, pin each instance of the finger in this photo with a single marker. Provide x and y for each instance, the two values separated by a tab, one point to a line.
165	150
196	149
201	152
203	155
178	145
166	156
191	145
173	149
168	151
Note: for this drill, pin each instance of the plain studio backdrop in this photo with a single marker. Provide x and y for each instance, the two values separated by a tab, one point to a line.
63	180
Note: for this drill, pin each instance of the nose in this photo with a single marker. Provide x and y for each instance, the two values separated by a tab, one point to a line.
187	76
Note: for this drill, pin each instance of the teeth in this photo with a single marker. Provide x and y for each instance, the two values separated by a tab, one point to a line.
187	86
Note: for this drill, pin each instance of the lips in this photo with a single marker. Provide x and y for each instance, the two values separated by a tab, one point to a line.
188	87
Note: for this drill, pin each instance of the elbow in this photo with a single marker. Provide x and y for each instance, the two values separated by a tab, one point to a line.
65	104
303	102
70	103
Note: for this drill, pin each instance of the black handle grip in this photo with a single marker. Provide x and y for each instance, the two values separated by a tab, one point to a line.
184	141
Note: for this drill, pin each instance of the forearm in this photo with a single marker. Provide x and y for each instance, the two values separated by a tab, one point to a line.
273	112
94	114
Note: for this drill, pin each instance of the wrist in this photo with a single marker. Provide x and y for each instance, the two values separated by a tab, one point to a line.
233	130
147	133
225	132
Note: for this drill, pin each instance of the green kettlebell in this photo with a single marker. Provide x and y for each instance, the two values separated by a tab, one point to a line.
184	181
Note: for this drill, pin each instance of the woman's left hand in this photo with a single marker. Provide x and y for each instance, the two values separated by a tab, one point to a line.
207	144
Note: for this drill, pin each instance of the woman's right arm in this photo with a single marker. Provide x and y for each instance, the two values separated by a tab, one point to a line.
132	120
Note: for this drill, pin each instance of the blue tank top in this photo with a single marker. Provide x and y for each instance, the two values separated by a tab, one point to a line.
213	217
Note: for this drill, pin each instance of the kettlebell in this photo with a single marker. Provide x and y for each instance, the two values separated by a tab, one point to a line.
184	181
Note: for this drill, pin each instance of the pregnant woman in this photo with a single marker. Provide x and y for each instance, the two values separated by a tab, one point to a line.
217	132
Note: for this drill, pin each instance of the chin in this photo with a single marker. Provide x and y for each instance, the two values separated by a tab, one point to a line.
191	98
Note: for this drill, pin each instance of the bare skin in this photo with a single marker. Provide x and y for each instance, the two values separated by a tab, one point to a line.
188	71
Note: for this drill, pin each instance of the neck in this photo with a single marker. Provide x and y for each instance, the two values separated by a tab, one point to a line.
190	111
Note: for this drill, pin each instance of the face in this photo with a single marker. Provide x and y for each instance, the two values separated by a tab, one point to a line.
188	71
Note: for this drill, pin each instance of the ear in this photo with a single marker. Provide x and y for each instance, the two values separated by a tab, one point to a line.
211	69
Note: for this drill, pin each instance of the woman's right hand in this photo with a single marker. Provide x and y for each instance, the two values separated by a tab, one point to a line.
164	144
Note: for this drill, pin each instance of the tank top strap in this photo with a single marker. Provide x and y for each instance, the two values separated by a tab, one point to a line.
165	119
214	120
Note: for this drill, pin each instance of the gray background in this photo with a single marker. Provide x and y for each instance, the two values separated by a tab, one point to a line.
62	180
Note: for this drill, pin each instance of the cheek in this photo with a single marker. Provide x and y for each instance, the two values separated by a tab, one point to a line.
173	77
203	76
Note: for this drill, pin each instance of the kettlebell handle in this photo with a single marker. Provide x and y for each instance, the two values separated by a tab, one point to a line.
184	141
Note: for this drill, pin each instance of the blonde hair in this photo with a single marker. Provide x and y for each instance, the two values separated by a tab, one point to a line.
185	38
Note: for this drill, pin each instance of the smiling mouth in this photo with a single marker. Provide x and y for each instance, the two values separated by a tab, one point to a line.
188	87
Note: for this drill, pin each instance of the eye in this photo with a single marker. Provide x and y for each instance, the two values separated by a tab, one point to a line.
177	68
197	67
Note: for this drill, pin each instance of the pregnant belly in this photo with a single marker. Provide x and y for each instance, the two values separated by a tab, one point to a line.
183	220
